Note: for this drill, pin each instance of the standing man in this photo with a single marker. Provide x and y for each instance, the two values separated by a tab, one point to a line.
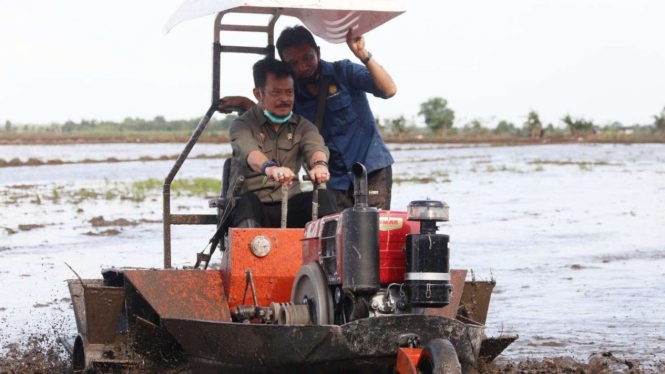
270	144
347	124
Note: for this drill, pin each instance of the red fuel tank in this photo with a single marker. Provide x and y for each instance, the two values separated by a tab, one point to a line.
393	229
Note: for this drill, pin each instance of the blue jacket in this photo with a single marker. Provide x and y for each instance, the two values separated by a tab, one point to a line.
349	128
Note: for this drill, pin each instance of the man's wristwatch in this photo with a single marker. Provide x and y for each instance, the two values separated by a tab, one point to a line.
366	59
320	162
268	164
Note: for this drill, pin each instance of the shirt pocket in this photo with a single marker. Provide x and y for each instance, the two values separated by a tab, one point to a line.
342	113
288	149
265	144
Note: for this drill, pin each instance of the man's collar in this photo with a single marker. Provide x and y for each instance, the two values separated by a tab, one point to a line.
327	68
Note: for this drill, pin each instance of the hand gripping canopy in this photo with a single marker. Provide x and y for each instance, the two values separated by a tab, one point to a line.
327	19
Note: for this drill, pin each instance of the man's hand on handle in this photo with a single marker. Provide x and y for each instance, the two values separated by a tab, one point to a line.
280	174
319	174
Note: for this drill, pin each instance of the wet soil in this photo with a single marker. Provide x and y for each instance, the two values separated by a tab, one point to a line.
38	356
34	357
29	227
120	222
44	138
109	232
577	253
16	162
600	363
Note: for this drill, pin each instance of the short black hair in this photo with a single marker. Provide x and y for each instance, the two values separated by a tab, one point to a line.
292	37
269	65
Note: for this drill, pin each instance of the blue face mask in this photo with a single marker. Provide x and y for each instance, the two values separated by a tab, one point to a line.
280	120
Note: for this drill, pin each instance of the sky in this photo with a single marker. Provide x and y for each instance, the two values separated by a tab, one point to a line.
492	60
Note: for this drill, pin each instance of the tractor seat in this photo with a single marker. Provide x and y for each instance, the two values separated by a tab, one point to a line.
220	202
217	202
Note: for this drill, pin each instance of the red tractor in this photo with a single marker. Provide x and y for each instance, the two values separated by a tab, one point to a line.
359	291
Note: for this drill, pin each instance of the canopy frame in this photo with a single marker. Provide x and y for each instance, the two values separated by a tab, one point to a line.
217	50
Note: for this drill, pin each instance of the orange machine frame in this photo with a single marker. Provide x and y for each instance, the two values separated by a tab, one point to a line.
273	274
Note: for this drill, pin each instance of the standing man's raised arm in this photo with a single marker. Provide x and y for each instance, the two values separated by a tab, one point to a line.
379	75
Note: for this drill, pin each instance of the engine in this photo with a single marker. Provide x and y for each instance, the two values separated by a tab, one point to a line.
381	262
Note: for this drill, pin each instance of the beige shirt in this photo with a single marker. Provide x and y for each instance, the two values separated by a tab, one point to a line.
292	144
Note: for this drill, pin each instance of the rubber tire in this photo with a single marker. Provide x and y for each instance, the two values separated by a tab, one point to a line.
439	357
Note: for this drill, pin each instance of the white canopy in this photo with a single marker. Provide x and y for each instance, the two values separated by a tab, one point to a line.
327	19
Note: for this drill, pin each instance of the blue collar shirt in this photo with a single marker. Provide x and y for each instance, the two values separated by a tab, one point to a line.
349	128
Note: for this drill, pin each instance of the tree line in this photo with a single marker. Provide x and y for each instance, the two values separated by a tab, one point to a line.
439	118
128	125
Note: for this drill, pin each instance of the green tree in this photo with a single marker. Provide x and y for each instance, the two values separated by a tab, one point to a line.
474	127
438	116
68	127
504	127
398	126
8	126
659	121
533	125
578	126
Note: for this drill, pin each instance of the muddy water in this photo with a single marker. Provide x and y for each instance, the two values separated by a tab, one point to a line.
573	234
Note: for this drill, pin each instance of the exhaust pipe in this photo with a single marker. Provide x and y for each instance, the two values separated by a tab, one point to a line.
360	240
360	190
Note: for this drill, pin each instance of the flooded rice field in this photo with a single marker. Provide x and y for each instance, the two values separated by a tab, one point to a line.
574	235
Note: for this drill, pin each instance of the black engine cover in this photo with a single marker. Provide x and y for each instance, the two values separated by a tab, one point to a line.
427	278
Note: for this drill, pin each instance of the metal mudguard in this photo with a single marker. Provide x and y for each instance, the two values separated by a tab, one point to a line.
367	345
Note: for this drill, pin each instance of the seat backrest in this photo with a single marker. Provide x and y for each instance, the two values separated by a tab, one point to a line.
226	175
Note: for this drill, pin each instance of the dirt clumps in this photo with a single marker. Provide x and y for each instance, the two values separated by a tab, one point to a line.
598	363
99	221
16	162
109	232
10	231
559	365
23	186
28	227
34	357
121	222
636	255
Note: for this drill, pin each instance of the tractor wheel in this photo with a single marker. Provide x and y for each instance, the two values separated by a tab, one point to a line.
439	357
310	287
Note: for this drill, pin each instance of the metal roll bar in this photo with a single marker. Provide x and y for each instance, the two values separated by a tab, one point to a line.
269	50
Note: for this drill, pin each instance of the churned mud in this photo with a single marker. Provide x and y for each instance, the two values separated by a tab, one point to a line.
120	222
39	355
34	357
599	363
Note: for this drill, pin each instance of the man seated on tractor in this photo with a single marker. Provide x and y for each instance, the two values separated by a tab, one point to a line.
270	144
347	123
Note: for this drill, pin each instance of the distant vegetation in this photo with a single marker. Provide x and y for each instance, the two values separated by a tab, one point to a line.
438	116
128	125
